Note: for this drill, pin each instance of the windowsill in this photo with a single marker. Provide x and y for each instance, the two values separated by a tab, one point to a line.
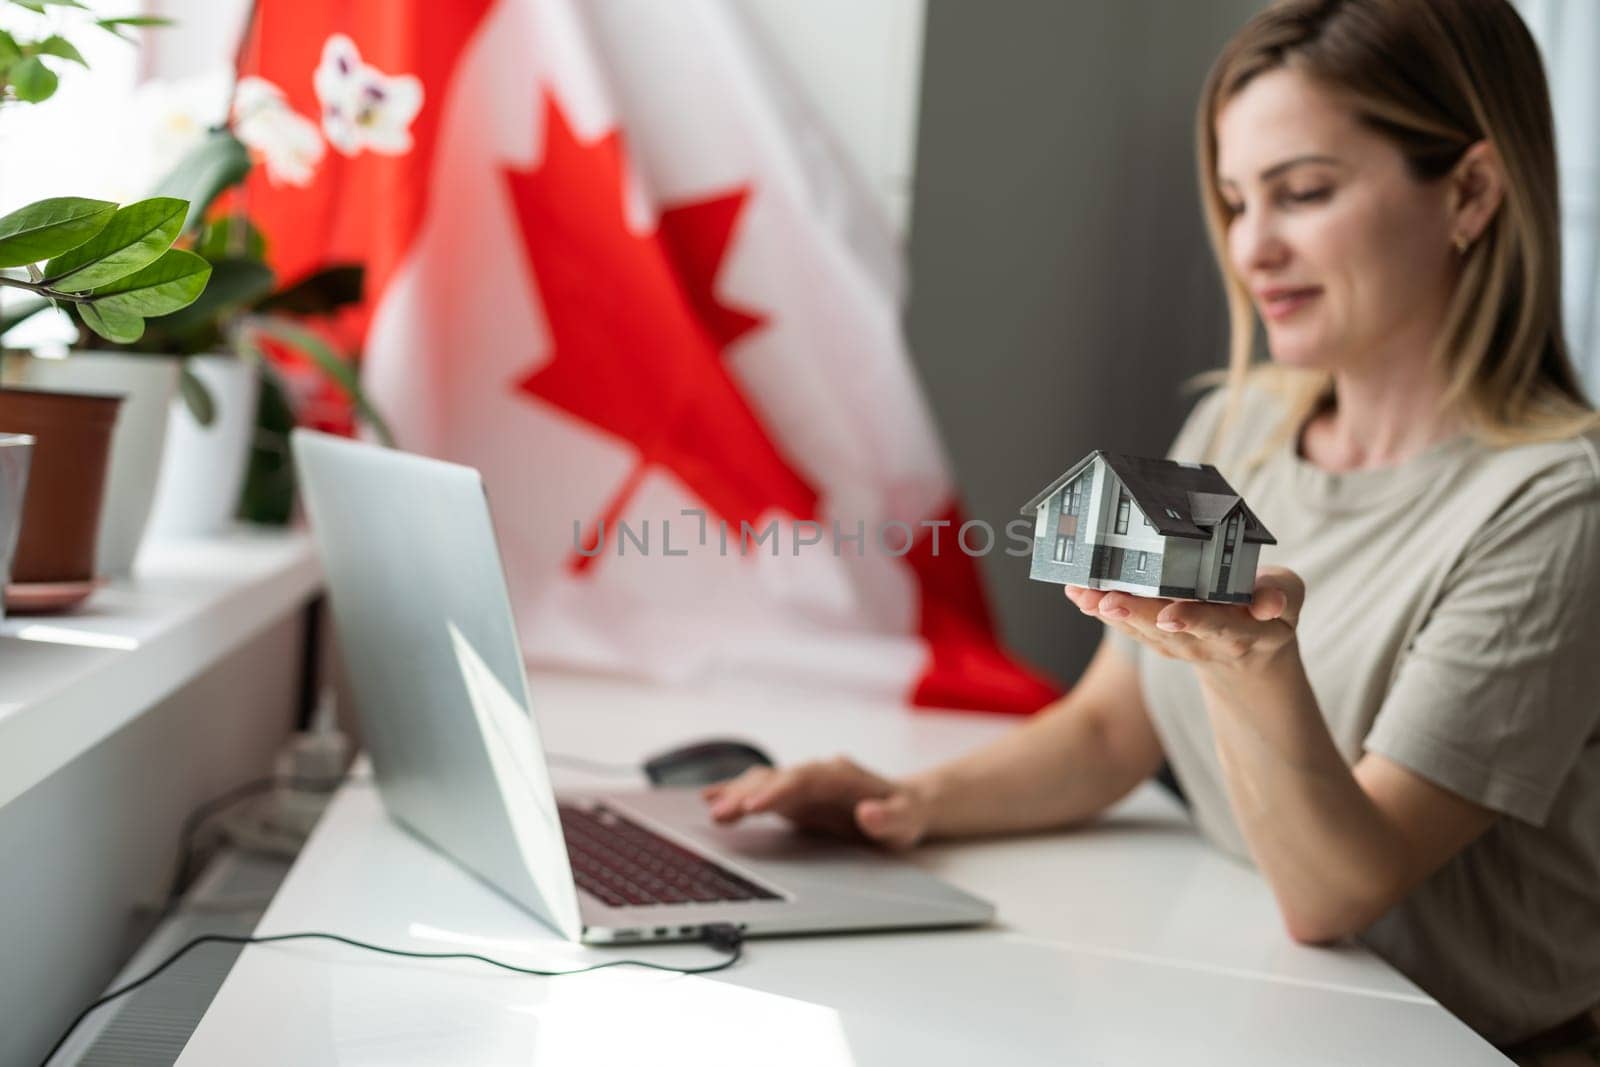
69	681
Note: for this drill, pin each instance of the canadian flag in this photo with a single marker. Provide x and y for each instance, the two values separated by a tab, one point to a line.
614	263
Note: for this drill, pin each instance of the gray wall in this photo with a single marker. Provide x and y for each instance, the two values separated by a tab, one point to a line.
1062	287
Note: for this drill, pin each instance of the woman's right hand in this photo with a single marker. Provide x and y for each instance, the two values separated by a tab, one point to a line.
835	796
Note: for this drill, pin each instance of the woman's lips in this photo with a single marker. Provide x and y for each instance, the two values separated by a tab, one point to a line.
1279	304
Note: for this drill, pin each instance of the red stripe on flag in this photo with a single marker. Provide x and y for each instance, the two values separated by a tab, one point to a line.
364	209
966	667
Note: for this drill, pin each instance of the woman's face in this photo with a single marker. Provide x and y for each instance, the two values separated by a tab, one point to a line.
1347	257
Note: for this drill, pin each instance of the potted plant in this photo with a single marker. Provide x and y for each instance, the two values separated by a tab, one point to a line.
223	340
115	267
223	337
228	337
147	387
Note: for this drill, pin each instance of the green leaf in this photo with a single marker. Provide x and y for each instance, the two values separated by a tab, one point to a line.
51	227
325	291
230	237
9	51
57	45
32	81
218	163
111	323
234	284
327	360
268	495
134	237
61	3
36	6
122	20
196	396
171	282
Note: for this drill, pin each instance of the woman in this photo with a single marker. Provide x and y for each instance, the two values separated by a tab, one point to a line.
1401	729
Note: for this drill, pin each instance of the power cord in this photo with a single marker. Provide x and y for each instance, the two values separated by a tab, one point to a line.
724	937
201	815
593	766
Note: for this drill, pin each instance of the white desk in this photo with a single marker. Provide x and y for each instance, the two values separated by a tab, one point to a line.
1130	943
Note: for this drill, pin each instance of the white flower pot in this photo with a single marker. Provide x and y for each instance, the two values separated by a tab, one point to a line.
203	470
147	385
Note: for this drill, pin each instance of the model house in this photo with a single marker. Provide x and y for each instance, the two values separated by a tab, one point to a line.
1154	527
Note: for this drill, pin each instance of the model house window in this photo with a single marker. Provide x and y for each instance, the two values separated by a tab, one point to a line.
1123	505
1072	498
1064	547
1147	521
1144	560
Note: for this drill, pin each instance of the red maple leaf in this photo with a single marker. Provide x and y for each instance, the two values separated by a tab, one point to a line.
637	332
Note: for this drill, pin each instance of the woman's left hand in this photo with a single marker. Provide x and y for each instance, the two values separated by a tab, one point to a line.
1207	634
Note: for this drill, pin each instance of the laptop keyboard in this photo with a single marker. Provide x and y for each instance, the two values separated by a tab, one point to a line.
623	864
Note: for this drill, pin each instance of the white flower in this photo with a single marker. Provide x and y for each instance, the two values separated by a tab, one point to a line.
363	108
286	141
146	132
170	117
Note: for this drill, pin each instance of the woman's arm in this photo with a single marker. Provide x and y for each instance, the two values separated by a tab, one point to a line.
1066	764
1070	762
1339	845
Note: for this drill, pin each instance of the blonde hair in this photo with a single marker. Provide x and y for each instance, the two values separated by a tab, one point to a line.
1436	77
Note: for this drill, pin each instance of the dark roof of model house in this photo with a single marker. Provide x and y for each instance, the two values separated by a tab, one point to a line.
1179	499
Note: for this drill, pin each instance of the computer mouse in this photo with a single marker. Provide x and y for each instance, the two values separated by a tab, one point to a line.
704	762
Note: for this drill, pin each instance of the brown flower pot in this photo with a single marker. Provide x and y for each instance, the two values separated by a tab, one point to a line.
61	511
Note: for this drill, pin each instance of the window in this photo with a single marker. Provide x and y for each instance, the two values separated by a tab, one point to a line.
1147	521
1064	548
1072	498
1144	561
1123	504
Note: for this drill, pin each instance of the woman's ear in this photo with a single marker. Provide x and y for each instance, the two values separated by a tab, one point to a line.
1477	188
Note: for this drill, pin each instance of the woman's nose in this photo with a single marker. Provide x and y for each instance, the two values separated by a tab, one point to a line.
1256	243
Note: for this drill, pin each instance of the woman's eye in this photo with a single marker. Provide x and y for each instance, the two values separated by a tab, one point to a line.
1232	210
1309	196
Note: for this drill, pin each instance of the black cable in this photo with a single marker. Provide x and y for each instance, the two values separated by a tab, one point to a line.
724	937
197	819
584	763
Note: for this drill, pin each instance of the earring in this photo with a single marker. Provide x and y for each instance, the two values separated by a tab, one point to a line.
1462	243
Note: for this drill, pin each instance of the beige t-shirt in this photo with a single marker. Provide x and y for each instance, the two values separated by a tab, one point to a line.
1451	623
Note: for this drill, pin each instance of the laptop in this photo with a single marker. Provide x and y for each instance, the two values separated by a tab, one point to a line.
430	649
